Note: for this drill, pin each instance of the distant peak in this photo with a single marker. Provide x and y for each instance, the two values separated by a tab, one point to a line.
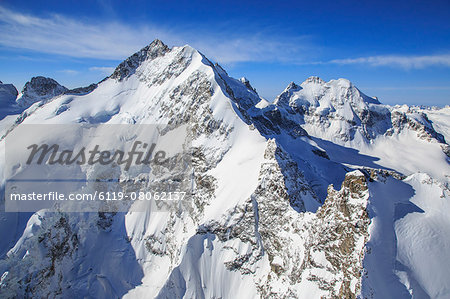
8	93
283	98
156	46
314	79
291	86
39	88
41	85
343	82
157	43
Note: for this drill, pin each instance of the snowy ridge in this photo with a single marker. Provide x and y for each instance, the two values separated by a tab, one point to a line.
266	217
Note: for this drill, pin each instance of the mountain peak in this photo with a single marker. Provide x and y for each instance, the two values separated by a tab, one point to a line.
157	43
126	68
283	98
8	93
314	79
37	89
292	85
41	85
342	82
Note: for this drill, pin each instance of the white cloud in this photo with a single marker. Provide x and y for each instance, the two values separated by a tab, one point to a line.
257	47
102	69
69	72
65	36
406	62
58	34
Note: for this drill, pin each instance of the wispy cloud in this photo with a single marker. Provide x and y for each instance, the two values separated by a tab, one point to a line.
406	62
109	40
69	72
62	35
261	46
106	70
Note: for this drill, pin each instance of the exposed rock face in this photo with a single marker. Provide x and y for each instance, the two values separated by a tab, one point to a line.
129	66
341	231
417	121
56	242
331	245
39	89
82	90
325	249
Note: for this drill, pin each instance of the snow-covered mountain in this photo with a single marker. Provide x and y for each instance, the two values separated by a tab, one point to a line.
8	95
339	113
39	89
323	193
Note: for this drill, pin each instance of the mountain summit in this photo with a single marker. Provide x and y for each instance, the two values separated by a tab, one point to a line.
37	89
156	49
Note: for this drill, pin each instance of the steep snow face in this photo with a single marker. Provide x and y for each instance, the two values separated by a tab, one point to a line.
427	231
39	89
412	144
408	250
440	119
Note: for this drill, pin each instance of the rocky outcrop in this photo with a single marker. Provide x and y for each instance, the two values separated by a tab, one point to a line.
39	89
82	90
325	249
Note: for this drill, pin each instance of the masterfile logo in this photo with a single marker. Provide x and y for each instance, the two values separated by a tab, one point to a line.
101	167
94	156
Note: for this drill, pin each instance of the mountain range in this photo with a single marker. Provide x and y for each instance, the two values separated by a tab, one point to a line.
323	193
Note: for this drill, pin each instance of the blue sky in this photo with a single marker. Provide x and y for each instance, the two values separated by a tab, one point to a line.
399	52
